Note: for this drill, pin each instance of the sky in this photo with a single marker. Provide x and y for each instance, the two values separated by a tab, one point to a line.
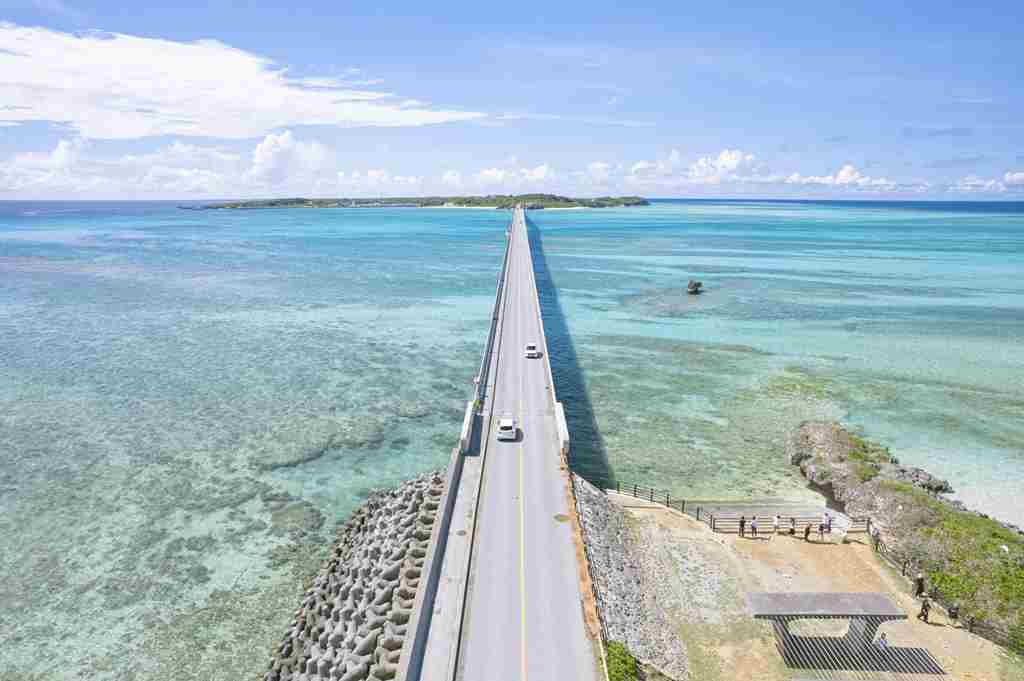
200	100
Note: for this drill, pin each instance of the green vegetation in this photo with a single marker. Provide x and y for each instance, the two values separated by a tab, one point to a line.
866	458
621	665
964	557
500	201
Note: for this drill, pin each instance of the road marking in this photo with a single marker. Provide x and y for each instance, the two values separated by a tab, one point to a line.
522	570
522	531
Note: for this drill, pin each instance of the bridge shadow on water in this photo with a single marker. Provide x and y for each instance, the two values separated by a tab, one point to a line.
587	456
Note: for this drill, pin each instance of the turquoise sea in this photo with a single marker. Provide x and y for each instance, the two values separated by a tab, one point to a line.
190	400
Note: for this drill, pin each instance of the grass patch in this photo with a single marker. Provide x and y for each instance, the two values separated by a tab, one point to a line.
621	665
964	558
866	458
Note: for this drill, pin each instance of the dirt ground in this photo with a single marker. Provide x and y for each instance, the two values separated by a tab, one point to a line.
709	574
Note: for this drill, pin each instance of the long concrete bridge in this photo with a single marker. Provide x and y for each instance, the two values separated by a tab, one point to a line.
502	597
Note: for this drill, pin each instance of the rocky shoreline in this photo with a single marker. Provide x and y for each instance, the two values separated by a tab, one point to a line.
351	625
859	475
966	557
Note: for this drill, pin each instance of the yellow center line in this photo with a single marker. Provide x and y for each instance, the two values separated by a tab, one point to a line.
522	569
522	529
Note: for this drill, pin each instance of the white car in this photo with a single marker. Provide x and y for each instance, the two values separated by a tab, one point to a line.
532	351
507	428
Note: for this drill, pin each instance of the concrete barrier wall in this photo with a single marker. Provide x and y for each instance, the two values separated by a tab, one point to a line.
418	627
563	429
467	428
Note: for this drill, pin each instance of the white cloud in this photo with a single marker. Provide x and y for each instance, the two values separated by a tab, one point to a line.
281	157
661	168
33	170
538	174
452	178
169	180
116	86
729	165
491	176
599	172
972	184
847	177
1014	179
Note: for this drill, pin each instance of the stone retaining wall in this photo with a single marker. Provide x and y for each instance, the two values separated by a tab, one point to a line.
352	623
627	587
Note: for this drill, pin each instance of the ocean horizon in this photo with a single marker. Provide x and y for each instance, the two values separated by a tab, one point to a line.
192	400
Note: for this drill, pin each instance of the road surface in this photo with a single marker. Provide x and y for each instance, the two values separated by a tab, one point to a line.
523	616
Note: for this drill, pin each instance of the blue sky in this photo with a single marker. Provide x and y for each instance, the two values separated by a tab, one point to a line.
197	100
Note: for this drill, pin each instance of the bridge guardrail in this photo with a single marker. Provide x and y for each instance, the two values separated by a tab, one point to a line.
411	660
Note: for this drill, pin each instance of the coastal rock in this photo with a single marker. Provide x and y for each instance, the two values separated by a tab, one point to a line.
839	462
922	478
351	623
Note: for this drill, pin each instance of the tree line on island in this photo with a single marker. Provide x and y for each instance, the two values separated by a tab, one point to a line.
498	201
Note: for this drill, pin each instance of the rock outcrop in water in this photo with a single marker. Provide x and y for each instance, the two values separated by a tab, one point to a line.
852	470
352	623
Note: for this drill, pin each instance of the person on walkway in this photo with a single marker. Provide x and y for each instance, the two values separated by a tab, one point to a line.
753	527
743	525
821	531
954	613
882	642
926	606
807	532
876	537
792	526
775	526
828	521
919	585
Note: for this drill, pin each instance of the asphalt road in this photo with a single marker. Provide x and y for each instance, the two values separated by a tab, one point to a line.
523	617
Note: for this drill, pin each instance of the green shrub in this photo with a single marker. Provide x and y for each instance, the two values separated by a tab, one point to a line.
621	665
864	471
962	554
1017	636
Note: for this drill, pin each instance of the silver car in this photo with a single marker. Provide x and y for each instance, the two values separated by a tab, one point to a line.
507	428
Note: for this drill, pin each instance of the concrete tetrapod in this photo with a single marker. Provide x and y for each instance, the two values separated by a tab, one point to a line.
351	625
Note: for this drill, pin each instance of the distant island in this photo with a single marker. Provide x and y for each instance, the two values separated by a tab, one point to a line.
498	201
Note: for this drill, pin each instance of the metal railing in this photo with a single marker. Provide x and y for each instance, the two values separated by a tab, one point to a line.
908	566
717	521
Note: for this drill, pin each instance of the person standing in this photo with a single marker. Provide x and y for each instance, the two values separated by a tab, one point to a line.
792	526
828	522
821	531
954	613
743	525
807	532
882	642
775	526
919	585
753	527
926	606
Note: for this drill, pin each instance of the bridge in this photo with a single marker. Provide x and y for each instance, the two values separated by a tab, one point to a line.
502	597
